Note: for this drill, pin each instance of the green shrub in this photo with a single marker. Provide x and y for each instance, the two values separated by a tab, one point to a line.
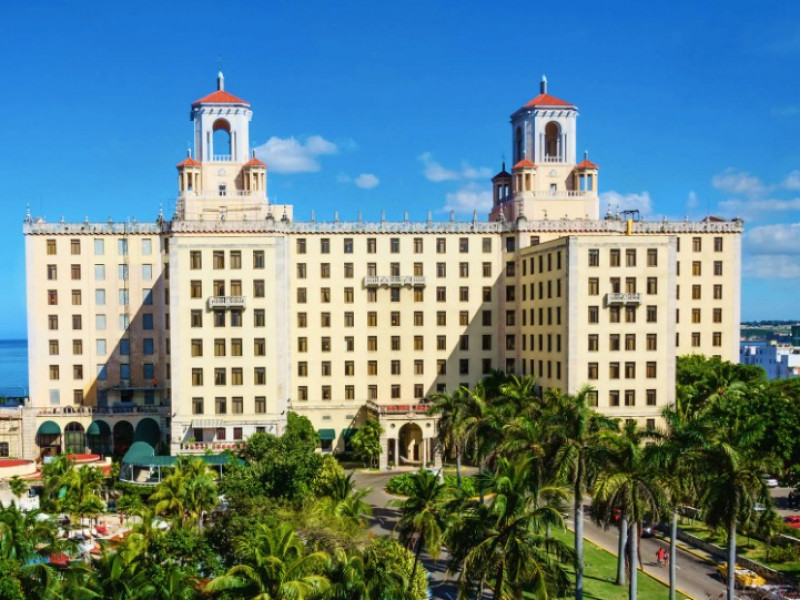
787	553
402	486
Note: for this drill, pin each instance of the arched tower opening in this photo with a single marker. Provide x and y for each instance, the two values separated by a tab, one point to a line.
221	140
517	144
552	141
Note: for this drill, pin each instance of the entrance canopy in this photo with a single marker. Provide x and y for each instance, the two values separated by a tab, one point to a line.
49	428
327	434
98	428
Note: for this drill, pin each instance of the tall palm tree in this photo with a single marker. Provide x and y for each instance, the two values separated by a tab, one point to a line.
731	488
450	428
169	498
347	577
274	566
508	546
576	429
628	483
354	509
422	515
18	486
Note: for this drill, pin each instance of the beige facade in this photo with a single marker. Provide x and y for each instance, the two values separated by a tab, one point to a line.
213	325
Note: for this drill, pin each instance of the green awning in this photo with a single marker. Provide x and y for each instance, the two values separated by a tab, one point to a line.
327	434
147	431
347	433
49	428
98	428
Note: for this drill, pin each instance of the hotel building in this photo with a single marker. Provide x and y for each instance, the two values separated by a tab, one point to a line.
198	331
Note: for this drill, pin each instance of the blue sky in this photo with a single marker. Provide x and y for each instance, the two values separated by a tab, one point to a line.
690	108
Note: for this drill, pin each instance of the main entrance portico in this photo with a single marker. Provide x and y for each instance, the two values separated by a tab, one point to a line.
409	435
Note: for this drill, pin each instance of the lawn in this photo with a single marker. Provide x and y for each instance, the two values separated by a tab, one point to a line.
600	573
747	547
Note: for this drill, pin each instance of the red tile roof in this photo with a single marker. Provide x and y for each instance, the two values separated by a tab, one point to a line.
586	164
547	100
523	164
254	162
220	97
188	162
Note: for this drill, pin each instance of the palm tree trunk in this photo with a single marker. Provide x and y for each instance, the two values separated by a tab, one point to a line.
417	552
458	468
578	505
673	554
621	543
633	588
498	583
731	558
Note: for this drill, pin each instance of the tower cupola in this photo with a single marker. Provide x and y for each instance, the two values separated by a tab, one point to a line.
221	126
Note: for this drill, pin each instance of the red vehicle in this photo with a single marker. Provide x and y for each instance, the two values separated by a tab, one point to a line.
792	521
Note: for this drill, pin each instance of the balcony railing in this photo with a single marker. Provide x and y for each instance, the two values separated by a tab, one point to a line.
163	411
218	446
226	302
398	409
628	298
395	281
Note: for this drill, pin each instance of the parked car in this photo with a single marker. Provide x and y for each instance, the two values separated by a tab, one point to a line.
647	530
792	521
769	480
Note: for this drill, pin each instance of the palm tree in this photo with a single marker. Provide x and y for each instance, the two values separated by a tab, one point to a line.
576	430
628	483
422	515
449	427
18	486
346	575
731	488
170	496
274	566
508	546
354	509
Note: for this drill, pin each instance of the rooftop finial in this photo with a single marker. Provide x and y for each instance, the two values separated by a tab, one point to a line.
220	81
543	85
585	155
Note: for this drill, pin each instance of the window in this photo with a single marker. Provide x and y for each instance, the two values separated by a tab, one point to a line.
593	370
52	297
195	259
302	344
441	294
652	285
696	268
511	293
218	259
486	245
325	270
124	297
236	259
372	319
122	247
630	257
441	342
594	314
630	285
652	314
259	347
630	397
594	342
486	342
613	398
302	369
717	244
197	376
441	269
441	245
372	367
394	245
630	341
197	406
394	295
630	314
302	393
325	368
614	257
220	407
348	245
325	344
372	343
258	259
301	295
52	272
594	286
220	376
259	375
196	318
325	295
301	246
463	294
219	287
99	272
613	370
716	338
219	318
349	319
261	404
652	257
613	314
650	370
696	339
717	267
51	247
77	322
325	246
54	374
594	257
695	315
511	244
325	319
630	370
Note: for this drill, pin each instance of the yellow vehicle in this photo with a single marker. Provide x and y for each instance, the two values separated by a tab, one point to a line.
744	577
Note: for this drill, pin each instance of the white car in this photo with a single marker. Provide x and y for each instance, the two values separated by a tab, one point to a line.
769	480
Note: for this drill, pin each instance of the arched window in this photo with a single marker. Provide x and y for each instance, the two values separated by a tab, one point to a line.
552	140
74	438
518	145
222	140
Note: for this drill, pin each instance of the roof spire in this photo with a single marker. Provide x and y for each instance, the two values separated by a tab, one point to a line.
543	85
220	81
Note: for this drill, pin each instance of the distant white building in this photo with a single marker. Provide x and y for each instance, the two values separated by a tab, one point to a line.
779	362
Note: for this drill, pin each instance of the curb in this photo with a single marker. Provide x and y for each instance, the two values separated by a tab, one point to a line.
689	550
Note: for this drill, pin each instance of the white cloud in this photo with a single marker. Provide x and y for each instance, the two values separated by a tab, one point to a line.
750	210
468	199
740	183
289	155
792	181
366	181
782	238
771	266
614	201
434	171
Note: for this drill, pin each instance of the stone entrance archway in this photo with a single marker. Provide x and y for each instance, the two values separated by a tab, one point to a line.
410	445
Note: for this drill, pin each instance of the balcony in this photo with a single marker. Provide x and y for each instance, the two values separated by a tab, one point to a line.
225	302
629	298
395	281
201	447
163	411
398	409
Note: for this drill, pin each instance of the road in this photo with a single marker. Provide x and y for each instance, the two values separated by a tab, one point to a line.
695	576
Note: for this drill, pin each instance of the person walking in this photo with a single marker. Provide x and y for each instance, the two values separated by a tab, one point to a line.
661	557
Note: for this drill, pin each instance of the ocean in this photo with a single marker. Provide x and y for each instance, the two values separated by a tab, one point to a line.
13	368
